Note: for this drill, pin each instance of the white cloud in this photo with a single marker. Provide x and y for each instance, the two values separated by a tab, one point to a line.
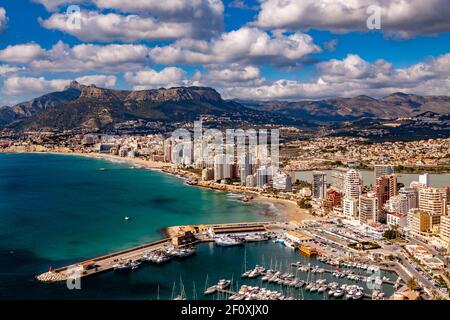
354	76
7	69
234	73
115	27
24	88
399	17
83	57
155	19
17	86
3	19
245	45
100	80
21	53
52	5
149	78
190	8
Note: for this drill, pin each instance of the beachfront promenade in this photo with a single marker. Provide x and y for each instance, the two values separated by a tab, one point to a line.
105	263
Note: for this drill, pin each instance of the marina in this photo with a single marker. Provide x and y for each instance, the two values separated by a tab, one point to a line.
292	280
161	251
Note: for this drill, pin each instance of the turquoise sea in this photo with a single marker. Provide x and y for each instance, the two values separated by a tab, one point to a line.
58	209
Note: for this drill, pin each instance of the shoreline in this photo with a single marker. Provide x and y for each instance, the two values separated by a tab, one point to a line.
286	209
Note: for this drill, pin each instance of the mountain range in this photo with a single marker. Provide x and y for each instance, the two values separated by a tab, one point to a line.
340	109
91	107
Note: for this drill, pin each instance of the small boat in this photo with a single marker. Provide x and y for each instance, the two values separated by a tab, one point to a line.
223	284
127	218
101	169
322	289
122	267
246	274
358	295
339	293
210	290
227	241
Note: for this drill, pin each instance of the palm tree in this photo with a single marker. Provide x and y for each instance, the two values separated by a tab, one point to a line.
411	284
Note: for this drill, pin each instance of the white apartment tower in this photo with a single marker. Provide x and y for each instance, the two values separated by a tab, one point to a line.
353	184
368	208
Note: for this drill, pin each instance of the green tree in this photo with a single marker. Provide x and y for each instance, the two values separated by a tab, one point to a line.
411	283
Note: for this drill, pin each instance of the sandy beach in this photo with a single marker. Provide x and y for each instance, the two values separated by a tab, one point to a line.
289	209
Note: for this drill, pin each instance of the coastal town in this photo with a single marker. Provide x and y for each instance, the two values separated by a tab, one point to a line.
405	227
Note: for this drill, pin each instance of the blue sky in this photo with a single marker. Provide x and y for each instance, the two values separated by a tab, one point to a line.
268	49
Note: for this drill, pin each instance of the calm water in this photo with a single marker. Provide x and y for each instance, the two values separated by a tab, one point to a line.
55	210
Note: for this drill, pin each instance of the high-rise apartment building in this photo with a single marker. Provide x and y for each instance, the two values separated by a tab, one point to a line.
319	185
368	208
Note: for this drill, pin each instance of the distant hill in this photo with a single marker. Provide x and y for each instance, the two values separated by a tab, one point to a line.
90	107
340	109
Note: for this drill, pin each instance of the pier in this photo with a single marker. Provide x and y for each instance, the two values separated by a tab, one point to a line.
179	236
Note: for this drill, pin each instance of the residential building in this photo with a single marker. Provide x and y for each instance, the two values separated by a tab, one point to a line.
207	174
396	219
332	199
337	179
319	185
433	201
420	222
262	177
383	170
424	179
350	208
385	188
353	184
368	208
398	203
412	196
282	181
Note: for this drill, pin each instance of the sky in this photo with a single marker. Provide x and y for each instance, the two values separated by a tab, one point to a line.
246	49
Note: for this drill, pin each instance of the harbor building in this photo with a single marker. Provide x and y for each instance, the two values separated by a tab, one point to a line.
368	208
382	170
319	185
